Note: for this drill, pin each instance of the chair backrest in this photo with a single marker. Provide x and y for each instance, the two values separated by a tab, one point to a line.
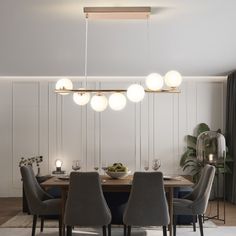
86	205
147	205
33	192
202	191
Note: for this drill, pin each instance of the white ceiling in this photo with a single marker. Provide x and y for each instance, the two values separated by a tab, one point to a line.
46	38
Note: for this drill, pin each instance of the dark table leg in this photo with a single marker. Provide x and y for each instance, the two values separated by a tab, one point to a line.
63	204
170	203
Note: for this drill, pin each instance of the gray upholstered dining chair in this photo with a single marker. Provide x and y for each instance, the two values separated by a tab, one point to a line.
86	205
195	203
147	205
40	203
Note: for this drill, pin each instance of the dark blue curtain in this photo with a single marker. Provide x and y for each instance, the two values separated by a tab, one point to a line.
230	134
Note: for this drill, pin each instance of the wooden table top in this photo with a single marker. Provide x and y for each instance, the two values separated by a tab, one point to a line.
124	184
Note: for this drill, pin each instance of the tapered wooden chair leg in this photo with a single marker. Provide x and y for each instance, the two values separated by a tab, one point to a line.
109	230
104	230
129	230
60	225
42	224
200	220
34	225
174	225
68	231
125	230
164	230
194	223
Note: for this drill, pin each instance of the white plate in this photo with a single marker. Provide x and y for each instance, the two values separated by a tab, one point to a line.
167	177
64	177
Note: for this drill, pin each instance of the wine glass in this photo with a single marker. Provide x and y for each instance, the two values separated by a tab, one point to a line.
76	165
146	165
156	164
96	165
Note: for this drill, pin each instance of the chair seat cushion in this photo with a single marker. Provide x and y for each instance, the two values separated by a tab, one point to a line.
50	207
182	206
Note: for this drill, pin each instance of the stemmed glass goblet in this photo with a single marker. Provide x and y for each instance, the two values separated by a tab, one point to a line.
146	165
76	165
156	164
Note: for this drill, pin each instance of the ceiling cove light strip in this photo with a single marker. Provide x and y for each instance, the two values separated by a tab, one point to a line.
135	92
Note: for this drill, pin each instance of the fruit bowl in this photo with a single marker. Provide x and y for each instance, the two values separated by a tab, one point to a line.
117	171
117	175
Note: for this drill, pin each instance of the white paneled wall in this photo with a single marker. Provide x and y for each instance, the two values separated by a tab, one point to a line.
36	121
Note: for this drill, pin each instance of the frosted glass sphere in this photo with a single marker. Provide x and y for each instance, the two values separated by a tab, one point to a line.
135	93
99	102
154	82
81	98
173	79
63	84
117	101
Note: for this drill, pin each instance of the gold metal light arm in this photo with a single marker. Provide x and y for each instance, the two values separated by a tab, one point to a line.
171	90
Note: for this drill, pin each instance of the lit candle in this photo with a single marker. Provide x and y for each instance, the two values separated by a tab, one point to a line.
210	157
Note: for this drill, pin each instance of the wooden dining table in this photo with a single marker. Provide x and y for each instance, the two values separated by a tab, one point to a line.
119	185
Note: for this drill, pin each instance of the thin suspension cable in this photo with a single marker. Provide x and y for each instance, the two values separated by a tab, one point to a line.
148	68
148	43
148	115
86	51
154	127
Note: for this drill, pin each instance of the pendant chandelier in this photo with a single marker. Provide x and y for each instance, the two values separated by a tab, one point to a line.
135	92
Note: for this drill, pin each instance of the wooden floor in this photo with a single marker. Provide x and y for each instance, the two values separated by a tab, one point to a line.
9	207
230	210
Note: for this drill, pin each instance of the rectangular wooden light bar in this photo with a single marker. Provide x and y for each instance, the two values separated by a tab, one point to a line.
117	12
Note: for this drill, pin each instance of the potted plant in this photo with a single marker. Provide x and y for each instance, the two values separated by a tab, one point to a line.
30	161
189	159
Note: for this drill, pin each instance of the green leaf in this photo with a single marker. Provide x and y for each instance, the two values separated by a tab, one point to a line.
194	171
191	141
194	161
202	128
229	158
190	153
227	169
196	176
222	170
187	166
183	158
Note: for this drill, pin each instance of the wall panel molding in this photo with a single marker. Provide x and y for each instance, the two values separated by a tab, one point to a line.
55	127
25	124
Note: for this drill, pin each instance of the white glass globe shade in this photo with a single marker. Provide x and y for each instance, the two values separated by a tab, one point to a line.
81	98
99	102
117	101
154	82
135	93
173	79
63	84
